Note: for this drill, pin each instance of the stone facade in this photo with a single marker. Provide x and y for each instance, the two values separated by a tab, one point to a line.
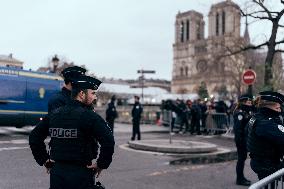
198	59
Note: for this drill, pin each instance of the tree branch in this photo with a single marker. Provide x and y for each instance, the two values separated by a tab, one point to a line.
264	8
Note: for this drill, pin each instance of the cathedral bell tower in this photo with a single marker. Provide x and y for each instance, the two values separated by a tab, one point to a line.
224	19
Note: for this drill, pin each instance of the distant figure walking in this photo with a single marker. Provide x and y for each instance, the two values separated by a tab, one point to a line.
136	117
111	113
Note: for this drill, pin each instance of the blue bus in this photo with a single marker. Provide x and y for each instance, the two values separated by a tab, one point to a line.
24	95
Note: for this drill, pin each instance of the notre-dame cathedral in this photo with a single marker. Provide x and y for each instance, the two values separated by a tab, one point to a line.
198	59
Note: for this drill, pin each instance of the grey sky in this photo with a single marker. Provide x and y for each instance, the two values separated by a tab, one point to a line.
113	38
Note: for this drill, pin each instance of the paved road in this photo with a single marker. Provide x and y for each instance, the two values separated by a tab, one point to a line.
130	169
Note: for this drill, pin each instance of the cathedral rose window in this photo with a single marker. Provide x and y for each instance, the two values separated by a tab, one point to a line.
201	66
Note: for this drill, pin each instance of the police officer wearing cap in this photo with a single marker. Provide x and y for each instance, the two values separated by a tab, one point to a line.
136	117
242	115
266	135
72	129
111	113
64	96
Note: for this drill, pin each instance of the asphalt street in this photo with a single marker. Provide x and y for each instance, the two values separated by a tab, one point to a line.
130	169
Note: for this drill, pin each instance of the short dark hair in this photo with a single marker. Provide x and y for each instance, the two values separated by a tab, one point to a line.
75	91
67	81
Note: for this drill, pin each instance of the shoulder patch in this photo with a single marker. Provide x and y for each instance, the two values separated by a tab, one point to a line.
281	128
240	117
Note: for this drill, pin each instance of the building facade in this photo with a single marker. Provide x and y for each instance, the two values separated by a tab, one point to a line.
10	61
198	59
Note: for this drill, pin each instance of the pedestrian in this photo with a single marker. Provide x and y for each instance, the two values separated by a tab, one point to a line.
195	119
111	113
136	117
266	135
72	129
64	96
242	115
183	113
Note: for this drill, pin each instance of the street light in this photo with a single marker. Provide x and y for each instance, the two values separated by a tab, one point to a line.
55	62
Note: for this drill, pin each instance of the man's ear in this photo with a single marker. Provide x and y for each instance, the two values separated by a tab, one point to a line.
81	95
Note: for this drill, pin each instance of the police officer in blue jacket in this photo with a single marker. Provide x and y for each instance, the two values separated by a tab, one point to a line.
242	115
266	135
72	129
64	96
111	113
136	117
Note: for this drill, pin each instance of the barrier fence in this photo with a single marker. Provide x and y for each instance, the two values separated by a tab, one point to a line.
274	181
212	121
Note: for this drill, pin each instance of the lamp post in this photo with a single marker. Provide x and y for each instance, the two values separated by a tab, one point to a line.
55	62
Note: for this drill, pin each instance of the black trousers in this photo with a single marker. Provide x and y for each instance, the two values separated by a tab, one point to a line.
67	176
136	130
242	156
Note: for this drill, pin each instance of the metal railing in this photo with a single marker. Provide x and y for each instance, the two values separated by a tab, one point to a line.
214	122
273	181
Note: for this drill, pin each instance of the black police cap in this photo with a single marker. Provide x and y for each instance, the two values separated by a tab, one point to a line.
73	72
272	96
86	82
245	97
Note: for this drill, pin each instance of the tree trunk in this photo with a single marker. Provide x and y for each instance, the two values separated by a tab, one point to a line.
268	76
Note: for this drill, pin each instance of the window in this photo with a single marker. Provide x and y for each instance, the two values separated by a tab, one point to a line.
223	22
217	24
181	71
186	71
187	30
182	32
198	29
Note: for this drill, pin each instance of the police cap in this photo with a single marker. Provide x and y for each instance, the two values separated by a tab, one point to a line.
72	72
245	97
272	96
86	82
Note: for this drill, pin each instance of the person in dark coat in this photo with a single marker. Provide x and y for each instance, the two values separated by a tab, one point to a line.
72	129
242	115
64	96
111	113
266	135
136	117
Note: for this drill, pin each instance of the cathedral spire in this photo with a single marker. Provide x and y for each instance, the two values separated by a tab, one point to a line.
246	34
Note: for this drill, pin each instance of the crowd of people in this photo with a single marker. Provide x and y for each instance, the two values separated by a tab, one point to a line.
193	115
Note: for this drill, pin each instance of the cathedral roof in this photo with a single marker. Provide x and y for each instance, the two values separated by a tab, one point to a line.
189	13
225	4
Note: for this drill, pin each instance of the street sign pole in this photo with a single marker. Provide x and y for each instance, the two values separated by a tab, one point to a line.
249	77
142	72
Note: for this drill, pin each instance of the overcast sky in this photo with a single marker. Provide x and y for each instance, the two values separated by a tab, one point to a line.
113	38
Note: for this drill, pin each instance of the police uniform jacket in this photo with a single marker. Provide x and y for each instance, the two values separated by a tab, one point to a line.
59	99
111	112
241	117
72	128
136	111
266	137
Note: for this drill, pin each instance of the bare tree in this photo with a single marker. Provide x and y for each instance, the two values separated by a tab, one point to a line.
260	10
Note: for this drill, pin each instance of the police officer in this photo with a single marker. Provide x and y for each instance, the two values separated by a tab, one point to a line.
64	96
72	129
136	117
266	135
242	115
111	113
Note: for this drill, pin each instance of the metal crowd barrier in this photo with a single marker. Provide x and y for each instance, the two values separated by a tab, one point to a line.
274	181
214	123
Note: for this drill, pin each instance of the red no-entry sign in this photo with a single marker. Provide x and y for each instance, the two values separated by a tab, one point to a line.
249	77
